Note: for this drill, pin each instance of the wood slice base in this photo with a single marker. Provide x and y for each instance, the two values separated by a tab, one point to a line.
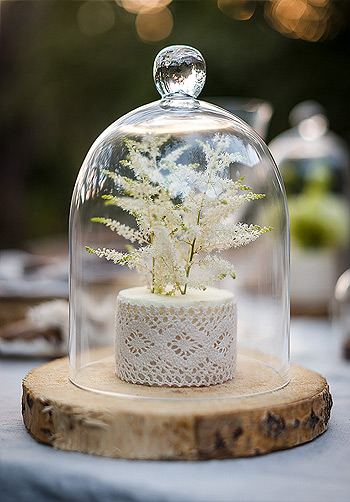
58	413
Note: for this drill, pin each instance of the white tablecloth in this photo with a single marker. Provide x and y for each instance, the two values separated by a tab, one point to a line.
317	471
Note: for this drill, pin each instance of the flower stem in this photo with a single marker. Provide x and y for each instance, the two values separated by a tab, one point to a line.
189	264
153	274
192	252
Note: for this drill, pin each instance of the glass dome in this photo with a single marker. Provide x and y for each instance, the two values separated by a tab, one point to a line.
179	251
314	163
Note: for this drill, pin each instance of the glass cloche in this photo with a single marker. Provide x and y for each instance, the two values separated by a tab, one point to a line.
314	163
179	251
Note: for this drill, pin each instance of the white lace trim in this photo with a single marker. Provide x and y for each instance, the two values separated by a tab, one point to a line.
178	342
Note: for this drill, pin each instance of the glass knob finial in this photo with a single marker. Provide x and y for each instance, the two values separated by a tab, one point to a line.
179	69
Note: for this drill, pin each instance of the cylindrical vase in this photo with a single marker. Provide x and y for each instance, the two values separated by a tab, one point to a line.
176	341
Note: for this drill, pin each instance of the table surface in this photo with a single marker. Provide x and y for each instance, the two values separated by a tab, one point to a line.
317	471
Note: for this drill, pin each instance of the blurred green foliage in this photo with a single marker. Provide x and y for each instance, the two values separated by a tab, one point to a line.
318	217
61	88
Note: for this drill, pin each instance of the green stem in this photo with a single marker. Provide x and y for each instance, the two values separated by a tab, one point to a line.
153	274
193	252
189	263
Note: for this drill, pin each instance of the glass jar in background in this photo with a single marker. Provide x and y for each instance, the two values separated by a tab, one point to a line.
341	312
255	112
314	163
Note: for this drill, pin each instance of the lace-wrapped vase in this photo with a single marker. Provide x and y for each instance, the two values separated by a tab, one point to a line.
181	341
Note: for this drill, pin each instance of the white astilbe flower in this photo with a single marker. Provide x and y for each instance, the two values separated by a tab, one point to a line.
231	236
109	254
169	160
184	214
211	269
124	230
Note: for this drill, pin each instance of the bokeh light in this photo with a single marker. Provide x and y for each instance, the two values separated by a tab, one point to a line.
241	10
154	25
136	6
311	20
95	18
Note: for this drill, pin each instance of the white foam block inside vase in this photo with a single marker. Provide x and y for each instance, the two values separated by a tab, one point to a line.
177	341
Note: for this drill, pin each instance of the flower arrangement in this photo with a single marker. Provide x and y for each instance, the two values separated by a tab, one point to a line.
184	215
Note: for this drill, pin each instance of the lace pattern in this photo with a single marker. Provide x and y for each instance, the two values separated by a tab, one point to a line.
186	344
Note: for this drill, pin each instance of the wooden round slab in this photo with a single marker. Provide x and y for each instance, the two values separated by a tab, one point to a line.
58	413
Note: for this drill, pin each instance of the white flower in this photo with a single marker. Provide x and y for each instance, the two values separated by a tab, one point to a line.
174	236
